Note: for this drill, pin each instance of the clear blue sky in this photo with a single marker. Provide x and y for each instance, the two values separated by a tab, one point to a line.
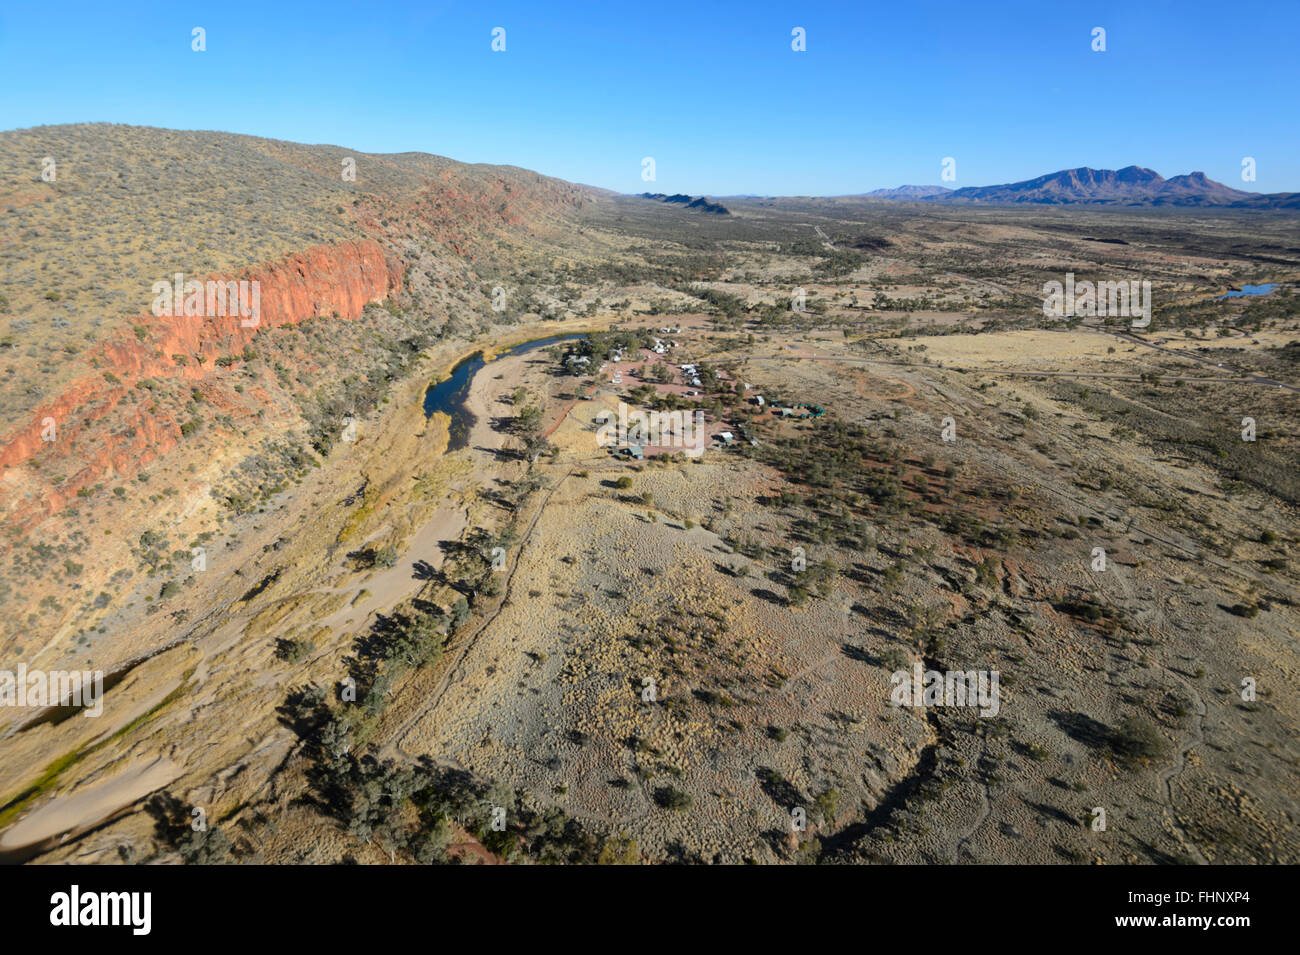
713	92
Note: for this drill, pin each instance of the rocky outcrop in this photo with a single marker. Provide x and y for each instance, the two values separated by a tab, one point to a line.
330	280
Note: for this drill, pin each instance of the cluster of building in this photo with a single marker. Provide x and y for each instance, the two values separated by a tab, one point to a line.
694	433
686	382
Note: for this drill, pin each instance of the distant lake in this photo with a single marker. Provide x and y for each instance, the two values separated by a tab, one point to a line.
1247	290
449	396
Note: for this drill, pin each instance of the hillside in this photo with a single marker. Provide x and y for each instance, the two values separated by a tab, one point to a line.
108	411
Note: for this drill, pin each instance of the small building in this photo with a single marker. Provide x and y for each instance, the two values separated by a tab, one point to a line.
634	451
726	437
758	400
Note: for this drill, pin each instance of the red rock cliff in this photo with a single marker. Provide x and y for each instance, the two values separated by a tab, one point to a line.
320	281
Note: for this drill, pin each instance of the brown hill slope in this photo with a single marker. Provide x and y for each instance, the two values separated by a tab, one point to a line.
97	391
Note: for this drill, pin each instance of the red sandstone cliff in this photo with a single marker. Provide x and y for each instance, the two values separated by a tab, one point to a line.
323	280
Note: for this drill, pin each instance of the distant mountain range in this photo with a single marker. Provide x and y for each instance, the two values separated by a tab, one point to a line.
700	204
910	193
1130	186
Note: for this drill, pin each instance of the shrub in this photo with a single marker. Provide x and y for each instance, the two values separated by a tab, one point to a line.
1084	609
895	659
826	804
1137	740
417	642
294	651
669	797
459	613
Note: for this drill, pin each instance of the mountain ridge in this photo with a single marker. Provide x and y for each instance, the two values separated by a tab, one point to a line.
1130	186
698	203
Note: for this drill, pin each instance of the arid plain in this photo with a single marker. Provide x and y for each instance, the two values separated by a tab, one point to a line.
490	637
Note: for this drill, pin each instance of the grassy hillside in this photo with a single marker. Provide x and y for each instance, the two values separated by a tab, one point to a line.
161	419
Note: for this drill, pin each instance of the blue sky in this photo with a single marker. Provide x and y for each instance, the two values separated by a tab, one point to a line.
713	92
